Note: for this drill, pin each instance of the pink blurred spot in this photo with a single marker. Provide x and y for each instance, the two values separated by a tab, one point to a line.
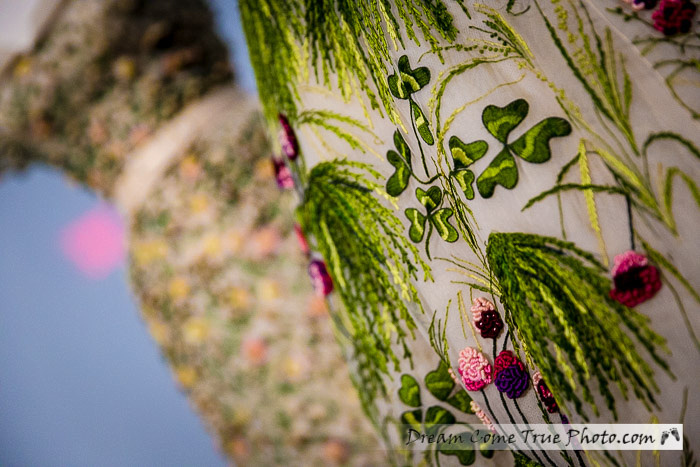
95	242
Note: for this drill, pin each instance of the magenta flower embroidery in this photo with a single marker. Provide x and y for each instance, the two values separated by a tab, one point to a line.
320	279
474	369
506	359
282	174
486	318
674	16
288	139
301	238
635	280
545	394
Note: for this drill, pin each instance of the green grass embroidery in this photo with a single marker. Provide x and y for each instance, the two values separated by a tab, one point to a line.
371	262
351	40
556	300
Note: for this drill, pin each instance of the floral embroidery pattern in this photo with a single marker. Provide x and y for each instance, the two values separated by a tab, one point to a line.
545	394
474	369
486	318
321	280
569	280
482	416
511	377
283	175
674	16
636	281
288	139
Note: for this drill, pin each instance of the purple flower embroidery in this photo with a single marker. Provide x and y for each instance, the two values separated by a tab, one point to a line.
288	139
674	16
320	279
511	376
635	280
282	174
512	380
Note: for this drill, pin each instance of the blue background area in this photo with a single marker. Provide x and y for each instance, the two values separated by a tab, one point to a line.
81	381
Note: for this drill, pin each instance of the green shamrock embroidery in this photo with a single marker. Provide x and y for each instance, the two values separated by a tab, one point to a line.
409	393
464	155
421	124
434	420
436	217
532	146
401	161
406	82
440	384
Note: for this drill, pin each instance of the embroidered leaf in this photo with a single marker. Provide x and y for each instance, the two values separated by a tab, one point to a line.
397	183
590	201
412	418
485	448
409	392
437	415
439	382
431	198
501	171
500	121
408	80
465	155
465	179
463	450
533	146
421	124
521	460
461	401
402	147
417	229
441	221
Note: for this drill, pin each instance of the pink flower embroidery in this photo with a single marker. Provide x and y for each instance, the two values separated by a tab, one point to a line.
282	174
320	279
674	16
301	238
474	369
288	139
482	416
635	280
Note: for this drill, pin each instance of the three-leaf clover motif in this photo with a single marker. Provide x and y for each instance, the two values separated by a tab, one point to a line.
406	82
436	418
401	161
435	216
532	146
464	155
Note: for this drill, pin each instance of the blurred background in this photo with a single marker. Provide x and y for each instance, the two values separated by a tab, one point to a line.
84	320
